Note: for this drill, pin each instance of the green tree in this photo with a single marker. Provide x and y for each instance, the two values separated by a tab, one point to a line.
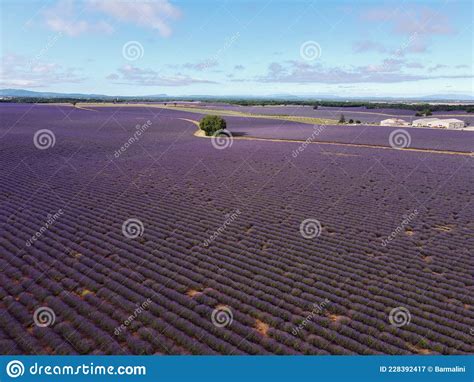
211	124
342	119
351	121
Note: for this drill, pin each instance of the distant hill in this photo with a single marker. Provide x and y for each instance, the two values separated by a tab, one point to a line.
34	94
435	97
448	97
29	93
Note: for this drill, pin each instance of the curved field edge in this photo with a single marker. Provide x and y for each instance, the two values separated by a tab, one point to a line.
279	117
304	120
223	113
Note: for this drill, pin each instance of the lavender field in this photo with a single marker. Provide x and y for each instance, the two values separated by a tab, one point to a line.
355	113
170	244
358	134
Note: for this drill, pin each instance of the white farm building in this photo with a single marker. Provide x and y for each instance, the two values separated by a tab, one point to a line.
450	123
424	122
394	122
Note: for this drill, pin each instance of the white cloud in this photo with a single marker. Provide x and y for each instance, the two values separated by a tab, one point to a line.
19	71
153	14
437	67
132	75
77	17
112	76
368	46
418	25
414	43
424	21
414	20
414	65
63	17
389	71
201	65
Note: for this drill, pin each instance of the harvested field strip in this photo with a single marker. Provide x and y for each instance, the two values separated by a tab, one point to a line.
83	108
293	118
229	113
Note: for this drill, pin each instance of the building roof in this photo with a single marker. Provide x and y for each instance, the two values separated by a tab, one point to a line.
451	120
438	120
393	120
425	120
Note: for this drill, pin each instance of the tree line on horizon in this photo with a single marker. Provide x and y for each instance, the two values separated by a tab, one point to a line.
422	108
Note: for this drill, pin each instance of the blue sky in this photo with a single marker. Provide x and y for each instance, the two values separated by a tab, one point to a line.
134	47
